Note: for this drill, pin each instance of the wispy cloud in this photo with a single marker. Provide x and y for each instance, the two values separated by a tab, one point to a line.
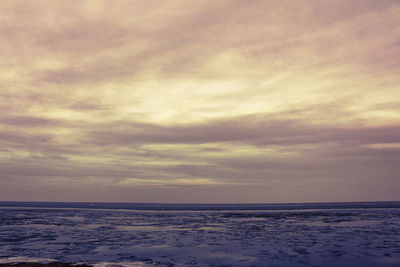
239	101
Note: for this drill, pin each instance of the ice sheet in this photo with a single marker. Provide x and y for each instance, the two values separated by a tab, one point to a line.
333	237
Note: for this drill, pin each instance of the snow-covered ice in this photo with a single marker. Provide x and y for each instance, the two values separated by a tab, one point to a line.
354	235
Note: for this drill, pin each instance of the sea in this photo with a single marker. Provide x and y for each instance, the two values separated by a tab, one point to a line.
129	234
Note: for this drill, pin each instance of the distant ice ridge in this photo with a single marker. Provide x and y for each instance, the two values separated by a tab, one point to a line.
200	207
122	264
11	260
14	260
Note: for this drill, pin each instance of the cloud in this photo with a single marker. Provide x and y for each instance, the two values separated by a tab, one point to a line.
173	182
261	130
236	100
26	121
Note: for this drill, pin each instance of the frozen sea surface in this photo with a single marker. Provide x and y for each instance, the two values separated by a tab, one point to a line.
112	234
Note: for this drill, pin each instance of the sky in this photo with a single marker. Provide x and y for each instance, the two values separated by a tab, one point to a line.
200	101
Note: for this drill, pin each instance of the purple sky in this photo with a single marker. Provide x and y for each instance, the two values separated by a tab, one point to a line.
200	101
